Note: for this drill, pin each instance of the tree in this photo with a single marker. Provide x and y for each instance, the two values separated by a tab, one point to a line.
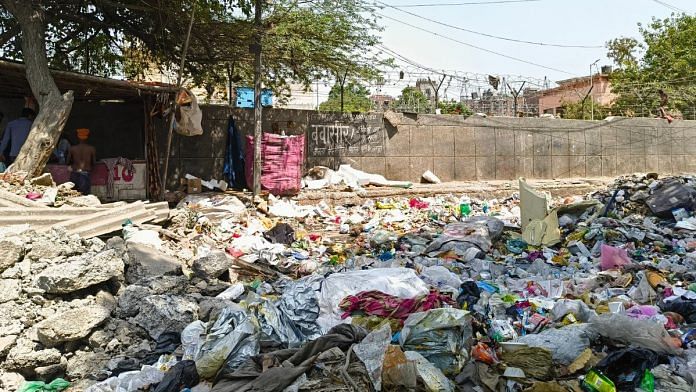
664	62
578	110
356	98
302	41
413	100
455	107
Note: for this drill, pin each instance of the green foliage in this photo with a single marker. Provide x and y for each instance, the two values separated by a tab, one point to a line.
356	98
302	41
454	107
413	100
667	63
578	111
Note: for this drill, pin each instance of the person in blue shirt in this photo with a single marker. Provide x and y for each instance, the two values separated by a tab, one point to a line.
16	134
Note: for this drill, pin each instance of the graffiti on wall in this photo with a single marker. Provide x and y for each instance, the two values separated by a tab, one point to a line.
335	134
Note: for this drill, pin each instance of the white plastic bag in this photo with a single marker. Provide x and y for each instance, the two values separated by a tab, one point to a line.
191	117
399	282
192	338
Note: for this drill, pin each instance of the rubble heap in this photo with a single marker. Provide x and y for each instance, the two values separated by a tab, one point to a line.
445	293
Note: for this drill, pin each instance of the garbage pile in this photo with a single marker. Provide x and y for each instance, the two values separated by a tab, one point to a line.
447	293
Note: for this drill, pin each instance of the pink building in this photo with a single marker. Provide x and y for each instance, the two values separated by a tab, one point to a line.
574	90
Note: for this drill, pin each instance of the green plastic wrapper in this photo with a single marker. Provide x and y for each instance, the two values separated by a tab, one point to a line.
56	385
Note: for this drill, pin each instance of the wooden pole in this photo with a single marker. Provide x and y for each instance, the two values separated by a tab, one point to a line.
258	111
173	106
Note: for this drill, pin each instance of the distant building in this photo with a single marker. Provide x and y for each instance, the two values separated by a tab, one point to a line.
381	102
426	87
503	105
574	90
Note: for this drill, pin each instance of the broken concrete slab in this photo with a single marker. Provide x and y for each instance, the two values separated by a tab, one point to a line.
166	313
9	289
11	251
212	265
80	272
72	325
26	356
144	262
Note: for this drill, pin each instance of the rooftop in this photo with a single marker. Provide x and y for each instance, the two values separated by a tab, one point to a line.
13	84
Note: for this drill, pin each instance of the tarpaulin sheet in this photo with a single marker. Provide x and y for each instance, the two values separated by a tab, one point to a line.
281	168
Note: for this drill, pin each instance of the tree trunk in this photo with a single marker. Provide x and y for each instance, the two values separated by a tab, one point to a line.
54	108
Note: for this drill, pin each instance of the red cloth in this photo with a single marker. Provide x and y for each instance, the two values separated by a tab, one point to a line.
282	160
377	303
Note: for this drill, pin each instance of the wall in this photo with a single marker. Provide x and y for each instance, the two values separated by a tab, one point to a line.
454	148
505	148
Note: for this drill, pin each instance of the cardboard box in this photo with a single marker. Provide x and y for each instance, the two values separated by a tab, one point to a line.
193	186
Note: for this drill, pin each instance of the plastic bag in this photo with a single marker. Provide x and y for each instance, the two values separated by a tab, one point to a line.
642	292
612	257
433	378
189	123
481	352
626	367
683	306
641	333
192	338
300	304
577	308
399	282
234	337
371	352
441	278
136	380
442	336
56	385
398	373
565	344
180	376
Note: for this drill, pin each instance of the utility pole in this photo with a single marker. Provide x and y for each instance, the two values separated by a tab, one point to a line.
437	90
256	48
173	107
343	83
592	85
515	94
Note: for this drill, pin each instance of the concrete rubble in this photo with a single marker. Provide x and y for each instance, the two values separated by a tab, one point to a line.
443	292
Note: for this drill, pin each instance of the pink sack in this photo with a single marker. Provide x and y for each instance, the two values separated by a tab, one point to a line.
282	160
611	257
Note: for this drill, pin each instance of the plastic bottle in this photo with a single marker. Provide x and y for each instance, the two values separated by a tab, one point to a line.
464	207
597	382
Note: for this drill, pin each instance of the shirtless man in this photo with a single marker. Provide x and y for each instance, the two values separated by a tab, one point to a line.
82	158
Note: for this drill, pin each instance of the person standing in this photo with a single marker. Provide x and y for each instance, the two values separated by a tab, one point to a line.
82	158
16	134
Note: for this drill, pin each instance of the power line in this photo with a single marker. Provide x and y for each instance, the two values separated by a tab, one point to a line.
468	3
475	47
491	35
673	8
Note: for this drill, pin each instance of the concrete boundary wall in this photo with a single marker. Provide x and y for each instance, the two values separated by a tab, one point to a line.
505	148
402	147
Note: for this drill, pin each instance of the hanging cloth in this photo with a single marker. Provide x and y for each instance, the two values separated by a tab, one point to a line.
234	157
110	164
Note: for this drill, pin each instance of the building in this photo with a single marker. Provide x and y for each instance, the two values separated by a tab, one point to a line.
574	90
380	102
427	87
503	105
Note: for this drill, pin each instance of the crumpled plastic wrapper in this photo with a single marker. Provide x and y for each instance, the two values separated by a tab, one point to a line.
371	352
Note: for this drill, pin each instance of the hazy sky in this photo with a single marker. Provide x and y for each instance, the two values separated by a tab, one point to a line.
565	22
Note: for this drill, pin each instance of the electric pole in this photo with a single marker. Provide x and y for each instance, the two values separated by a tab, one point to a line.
256	48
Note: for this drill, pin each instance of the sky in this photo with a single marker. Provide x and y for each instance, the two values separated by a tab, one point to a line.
564	22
